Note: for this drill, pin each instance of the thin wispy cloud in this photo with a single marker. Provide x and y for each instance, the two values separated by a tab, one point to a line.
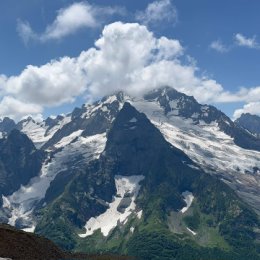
25	31
219	46
239	40
68	21
243	41
157	12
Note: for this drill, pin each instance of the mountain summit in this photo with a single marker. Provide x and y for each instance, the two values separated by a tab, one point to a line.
250	123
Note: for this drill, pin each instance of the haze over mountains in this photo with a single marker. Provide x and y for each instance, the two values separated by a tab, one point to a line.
123	173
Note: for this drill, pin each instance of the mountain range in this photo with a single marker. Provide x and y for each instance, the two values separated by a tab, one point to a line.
156	177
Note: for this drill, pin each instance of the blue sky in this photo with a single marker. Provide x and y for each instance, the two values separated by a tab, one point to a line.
211	51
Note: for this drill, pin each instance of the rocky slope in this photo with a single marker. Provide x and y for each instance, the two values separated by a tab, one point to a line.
178	104
19	162
7	125
250	123
209	138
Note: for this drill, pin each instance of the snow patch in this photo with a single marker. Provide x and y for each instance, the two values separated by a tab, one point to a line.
139	214
193	166
109	220
111	99
30	229
174	104
188	198
133	120
195	115
68	139
40	133
35	131
132	229
104	108
192	232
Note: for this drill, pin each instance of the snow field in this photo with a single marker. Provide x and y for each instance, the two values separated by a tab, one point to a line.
109	219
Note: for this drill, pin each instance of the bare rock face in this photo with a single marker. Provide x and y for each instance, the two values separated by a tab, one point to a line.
19	162
7	125
250	123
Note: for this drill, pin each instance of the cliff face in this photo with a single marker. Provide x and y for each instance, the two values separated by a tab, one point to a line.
250	123
19	162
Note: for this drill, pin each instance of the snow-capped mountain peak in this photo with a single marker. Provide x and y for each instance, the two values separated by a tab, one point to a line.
179	104
41	132
203	132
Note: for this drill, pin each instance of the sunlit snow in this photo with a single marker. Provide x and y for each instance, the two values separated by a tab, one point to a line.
188	198
39	132
68	139
192	232
133	120
109	220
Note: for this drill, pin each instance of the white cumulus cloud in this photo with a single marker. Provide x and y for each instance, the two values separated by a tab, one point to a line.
252	108
127	57
16	109
52	84
68	21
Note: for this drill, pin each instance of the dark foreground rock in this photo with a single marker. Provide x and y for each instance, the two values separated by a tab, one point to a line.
20	245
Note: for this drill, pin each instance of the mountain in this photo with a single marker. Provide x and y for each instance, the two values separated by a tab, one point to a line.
87	121
178	104
41	132
129	168
6	125
250	123
124	173
19	162
209	138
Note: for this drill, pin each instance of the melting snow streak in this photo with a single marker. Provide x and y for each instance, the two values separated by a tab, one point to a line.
188	198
